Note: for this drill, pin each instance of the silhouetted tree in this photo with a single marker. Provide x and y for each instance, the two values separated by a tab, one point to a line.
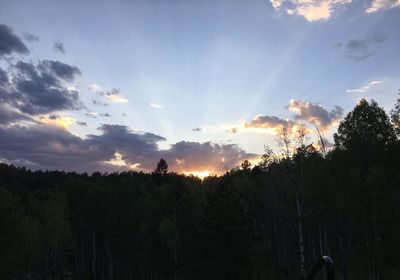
246	165
162	167
395	117
364	128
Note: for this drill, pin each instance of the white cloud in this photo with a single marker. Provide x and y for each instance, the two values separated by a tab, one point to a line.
95	88
366	88
276	3
117	98
155	105
311	10
377	5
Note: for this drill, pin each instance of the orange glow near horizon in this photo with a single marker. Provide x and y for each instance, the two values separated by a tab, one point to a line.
199	174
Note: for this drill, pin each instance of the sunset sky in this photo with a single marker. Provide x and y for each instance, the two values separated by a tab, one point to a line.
205	84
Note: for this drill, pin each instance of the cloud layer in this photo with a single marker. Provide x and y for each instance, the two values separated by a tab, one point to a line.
10	43
382	5
315	114
305	113
39	89
313	10
50	147
114	95
366	88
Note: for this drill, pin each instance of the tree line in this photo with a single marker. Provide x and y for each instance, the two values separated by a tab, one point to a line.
270	221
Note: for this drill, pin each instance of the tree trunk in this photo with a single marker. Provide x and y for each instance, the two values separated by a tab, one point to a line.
300	236
94	256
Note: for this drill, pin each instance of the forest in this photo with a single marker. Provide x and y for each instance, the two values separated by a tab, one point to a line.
273	220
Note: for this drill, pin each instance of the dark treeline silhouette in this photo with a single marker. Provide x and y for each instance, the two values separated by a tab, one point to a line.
270	221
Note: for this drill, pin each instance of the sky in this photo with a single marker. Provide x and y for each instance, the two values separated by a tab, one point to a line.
116	85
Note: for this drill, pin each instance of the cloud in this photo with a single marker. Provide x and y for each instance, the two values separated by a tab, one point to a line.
155	105
276	3
9	116
304	113
360	49
60	69
53	117
99	102
96	88
193	156
91	115
55	120
314	10
47	147
117	98
58	46
107	115
271	124
113	95
81	123
366	88
30	37
196	129
315	114
378	5
311	10
3	77
10	43
116	148
39	89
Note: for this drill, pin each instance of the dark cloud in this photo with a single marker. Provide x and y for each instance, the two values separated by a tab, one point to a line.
193	156
47	147
99	102
360	49
54	117
113	91
305	112
39	89
107	115
270	122
135	147
196	129
50	147
30	37
60	69
315	114
3	77
10	43
59	46
8	116
91	115
113	95
380	37
81	123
